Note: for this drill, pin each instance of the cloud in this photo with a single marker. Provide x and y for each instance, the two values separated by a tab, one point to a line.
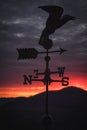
21	24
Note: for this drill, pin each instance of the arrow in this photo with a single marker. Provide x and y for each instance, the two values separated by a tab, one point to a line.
27	53
61	51
31	53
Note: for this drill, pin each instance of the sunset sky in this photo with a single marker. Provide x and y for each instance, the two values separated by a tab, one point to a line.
21	24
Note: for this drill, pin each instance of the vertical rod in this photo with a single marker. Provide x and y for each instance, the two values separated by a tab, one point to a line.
47	118
46	99
47	67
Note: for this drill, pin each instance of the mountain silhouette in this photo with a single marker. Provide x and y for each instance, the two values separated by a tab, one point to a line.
68	108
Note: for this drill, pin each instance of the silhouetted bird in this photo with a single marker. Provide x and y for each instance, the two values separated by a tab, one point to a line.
55	20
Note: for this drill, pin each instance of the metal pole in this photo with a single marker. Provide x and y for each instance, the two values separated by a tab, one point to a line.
46	99
47	67
47	119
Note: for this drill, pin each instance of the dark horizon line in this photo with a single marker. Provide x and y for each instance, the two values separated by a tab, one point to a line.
44	92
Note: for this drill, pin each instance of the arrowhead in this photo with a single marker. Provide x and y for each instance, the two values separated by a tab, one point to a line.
62	50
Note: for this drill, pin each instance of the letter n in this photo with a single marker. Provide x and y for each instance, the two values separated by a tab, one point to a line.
27	79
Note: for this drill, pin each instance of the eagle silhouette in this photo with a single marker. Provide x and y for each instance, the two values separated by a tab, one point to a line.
54	21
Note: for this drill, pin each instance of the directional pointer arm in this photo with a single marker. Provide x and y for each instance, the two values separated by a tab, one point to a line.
32	53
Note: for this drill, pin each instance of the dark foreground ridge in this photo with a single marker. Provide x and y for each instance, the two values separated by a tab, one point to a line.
68	108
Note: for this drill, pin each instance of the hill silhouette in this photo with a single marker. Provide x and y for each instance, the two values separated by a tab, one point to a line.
68	108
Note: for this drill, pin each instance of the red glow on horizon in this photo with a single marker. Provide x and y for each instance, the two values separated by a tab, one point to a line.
27	91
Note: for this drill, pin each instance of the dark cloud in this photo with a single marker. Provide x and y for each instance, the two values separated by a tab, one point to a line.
21	24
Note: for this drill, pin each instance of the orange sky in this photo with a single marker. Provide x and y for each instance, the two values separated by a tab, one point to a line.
35	88
23	30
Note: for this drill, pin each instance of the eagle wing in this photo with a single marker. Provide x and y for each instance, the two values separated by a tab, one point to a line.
53	10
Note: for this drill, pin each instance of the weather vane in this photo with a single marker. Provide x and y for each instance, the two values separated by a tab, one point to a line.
54	21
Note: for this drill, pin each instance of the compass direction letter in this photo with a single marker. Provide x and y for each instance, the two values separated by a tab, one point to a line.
27	79
61	71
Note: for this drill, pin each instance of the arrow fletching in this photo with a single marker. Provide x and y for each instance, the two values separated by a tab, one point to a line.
27	53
